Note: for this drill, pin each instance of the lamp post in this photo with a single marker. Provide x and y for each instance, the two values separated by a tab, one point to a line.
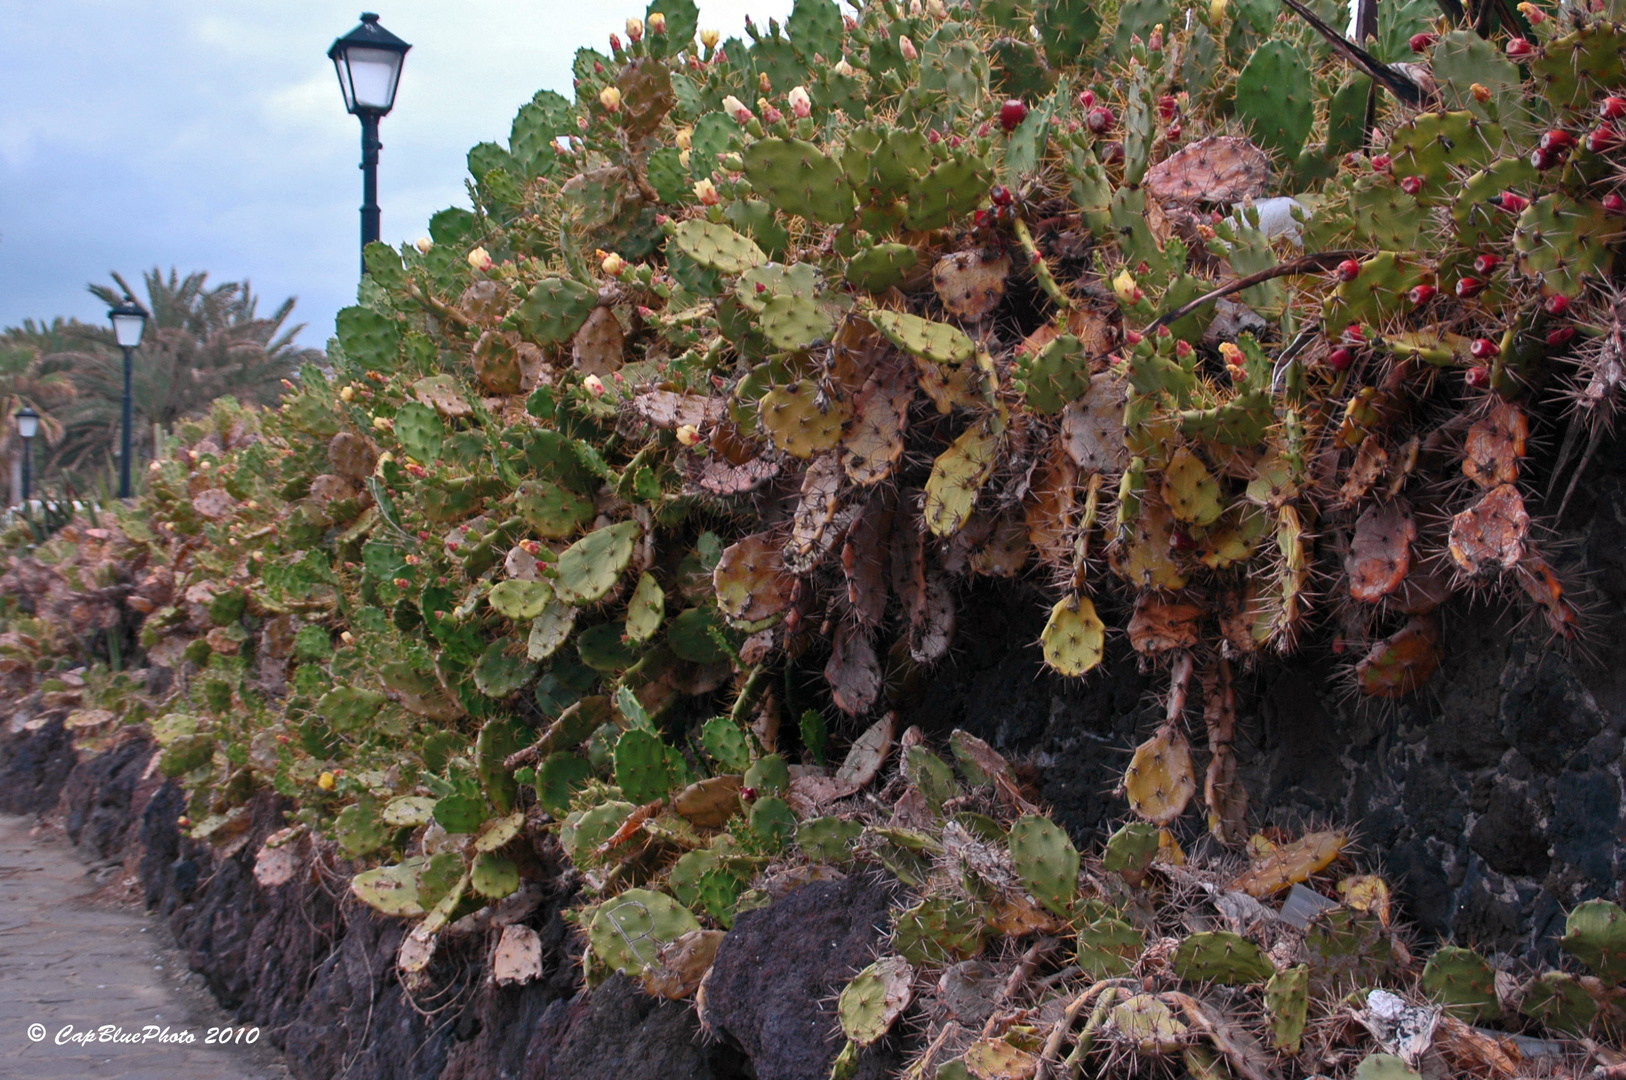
129	320
368	60
28	426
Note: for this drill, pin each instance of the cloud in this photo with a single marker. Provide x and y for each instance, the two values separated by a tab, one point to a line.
211	136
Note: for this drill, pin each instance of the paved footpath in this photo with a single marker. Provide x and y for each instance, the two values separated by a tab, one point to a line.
70	963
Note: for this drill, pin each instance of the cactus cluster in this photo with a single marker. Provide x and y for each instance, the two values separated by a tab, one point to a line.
746	356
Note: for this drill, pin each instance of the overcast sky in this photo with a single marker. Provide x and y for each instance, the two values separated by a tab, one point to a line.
210	135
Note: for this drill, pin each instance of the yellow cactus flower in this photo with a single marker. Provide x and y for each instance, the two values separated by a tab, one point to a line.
610	98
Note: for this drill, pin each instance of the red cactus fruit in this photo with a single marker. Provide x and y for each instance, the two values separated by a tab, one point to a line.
1012	113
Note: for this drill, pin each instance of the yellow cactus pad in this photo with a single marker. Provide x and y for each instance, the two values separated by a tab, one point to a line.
1161	780
1075	638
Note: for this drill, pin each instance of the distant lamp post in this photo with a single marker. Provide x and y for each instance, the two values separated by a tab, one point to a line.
129	320
28	426
368	60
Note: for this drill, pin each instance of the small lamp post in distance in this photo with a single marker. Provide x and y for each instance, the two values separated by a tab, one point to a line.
28	426
129	320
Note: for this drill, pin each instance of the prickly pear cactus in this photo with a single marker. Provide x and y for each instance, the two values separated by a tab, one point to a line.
750	355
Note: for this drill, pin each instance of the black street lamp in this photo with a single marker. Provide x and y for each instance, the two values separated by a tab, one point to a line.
28	426
129	319
368	60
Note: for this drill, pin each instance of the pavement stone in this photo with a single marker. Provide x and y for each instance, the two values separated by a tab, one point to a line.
72	960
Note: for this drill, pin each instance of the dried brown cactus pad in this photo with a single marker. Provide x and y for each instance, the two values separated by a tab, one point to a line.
1380	555
1403	661
1491	452
1220	169
1491	532
969	283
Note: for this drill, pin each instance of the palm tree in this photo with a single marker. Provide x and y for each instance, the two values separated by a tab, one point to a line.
29	378
201	343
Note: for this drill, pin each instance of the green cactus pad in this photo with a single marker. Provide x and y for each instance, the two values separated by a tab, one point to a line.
390	890
717	247
875	999
1222	957
799	178
628	930
1273	95
409	811
1344	944
1130	851
640	766
768	775
347	708
1595	934
438	876
498	674
1564	244
1464	981
646	609
1046	862
496	741
951	190
593	828
369	338
1055	375
878	268
553	510
589	568
493	876
773	821
795	323
420	431
935	341
828	839
460	813
1287	1003
1109	948
1385	1067
726	742
550	630
518	600
604	648
1438	147
1558	1000
937	931
559	777
360	829
554	309
931	775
